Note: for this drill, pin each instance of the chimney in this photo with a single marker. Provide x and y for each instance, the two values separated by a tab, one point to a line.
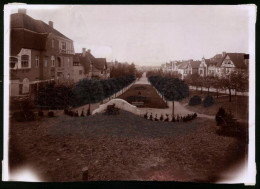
89	50
224	54
22	11
83	51
51	24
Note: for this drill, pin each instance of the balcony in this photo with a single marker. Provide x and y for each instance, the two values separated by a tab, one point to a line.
66	51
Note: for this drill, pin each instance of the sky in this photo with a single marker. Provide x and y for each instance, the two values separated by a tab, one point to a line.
150	34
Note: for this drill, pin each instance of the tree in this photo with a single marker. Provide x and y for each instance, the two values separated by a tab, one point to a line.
216	83
227	84
208	82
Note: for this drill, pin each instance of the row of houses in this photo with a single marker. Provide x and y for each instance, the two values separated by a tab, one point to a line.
219	65
39	54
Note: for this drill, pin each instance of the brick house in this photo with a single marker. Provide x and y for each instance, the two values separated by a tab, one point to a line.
85	65
38	54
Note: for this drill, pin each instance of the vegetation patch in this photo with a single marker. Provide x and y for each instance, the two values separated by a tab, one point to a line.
208	101
195	100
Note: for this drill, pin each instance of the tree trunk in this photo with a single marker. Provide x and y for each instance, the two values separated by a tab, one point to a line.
229	95
217	93
173	108
208	90
201	90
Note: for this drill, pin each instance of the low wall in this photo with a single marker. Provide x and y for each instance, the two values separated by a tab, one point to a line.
119	103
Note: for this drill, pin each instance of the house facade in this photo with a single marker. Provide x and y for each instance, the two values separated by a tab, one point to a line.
220	65
38	54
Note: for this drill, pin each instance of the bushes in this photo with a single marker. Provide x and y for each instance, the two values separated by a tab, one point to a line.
112	110
195	100
24	116
53	96
50	114
170	88
208	101
228	125
26	113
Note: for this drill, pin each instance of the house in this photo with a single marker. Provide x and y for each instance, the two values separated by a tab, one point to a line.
203	67
195	66
38	54
99	69
184	68
85	65
232	62
82	63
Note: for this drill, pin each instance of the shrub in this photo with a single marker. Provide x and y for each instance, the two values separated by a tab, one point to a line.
146	115
112	110
151	117
173	119
161	118
156	119
66	111
40	113
195	100
50	114
24	116
208	101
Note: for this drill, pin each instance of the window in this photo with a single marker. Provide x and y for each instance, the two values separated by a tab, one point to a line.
59	62
36	61
52	43
25	61
13	62
45	62
52	61
63	45
201	71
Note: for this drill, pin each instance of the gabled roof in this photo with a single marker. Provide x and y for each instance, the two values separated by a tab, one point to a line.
19	20
236	58
100	63
195	64
22	38
85	61
183	65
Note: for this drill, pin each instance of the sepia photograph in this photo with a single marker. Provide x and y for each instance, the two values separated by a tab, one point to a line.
129	93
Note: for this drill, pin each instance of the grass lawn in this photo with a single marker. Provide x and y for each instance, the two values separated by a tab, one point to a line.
238	105
122	147
145	90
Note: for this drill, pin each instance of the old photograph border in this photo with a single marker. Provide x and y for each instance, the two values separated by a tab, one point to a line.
251	157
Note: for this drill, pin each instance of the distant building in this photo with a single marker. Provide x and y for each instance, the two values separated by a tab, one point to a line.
219	65
85	65
38	53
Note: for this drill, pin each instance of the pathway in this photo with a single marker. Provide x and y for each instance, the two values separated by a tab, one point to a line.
179	109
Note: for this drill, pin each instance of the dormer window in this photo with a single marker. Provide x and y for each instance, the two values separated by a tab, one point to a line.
25	61
13	62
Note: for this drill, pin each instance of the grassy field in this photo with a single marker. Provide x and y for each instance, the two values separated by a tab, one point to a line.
122	147
238	105
153	99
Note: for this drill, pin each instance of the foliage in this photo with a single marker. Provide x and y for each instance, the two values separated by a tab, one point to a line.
195	100
112	110
55	96
163	74
123	69
170	88
208	101
50	114
25	113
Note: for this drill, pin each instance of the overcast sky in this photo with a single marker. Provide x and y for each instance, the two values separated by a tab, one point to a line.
151	35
